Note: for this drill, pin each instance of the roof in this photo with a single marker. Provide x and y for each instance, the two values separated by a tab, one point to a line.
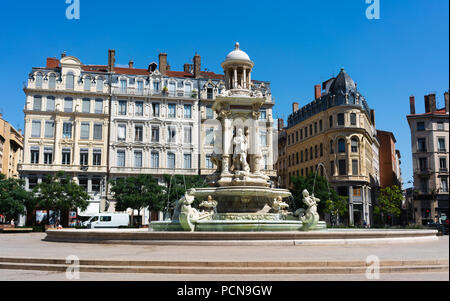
437	112
386	133
237	55
342	84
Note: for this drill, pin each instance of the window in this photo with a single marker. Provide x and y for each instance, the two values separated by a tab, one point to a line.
155	160
440	126
34	155
85	129
139	108
209	93
263	137
443	163
331	122
86	105
84	157
155	133
98	106
310	129
341	146
172	110
315	127
187	161
354	145
48	155
331	147
209	112
301	156
155	87
263	114
354	167
170	160
331	168
37	103
209	136
121	158
306	155
296	136
65	156
188	111
140	87
421	145
187	134
296	157
97	157
341	119
100	84
352	118
39	80
122	107
306	132
68	104
83	182
423	164
301	134
87	83
95	185
444	184
172	89
121	132
321	149
316	151
52	81
36	129
320	126
311	153
98	131
424	185
187	89
208	162
123	86
50	103
137	159
421	126
32	182
138	133
69	81
342	168
441	144
155	109
357	192
172	134
49	129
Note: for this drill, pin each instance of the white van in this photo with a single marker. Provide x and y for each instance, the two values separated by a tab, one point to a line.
108	220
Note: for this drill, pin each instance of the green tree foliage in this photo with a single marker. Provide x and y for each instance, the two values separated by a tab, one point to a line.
59	192
177	186
13	198
320	191
389	202
138	192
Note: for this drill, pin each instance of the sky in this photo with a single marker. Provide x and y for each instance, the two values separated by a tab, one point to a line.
294	44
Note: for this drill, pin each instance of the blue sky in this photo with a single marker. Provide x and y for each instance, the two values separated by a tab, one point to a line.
294	44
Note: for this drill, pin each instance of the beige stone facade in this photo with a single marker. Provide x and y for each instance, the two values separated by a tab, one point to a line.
11	148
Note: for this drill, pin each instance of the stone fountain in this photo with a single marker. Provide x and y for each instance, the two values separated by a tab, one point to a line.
239	196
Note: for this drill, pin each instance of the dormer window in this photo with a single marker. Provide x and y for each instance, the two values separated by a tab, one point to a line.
52	81
38	80
87	83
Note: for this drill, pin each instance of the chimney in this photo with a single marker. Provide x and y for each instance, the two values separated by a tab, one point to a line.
130	64
52	62
412	105
317	92
294	107
197	65
280	124
63	54
430	103
446	102
111	60
187	68
163	63
372	116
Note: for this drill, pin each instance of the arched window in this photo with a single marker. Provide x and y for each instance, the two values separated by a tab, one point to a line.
52	81
69	81
341	145
39	80
354	145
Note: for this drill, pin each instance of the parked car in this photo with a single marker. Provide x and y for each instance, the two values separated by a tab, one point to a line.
437	226
108	220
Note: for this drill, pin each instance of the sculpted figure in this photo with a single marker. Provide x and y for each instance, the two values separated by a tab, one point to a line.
279	206
188	216
310	217
240	143
209	205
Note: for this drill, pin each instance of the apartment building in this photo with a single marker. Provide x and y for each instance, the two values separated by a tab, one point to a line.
11	148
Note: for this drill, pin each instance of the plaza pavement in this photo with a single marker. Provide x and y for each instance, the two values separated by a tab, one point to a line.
32	245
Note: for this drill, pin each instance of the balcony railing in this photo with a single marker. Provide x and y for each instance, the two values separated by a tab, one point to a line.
151	92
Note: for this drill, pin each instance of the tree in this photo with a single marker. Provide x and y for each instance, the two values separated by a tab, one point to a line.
321	190
13	198
58	192
138	192
177	185
389	202
337	208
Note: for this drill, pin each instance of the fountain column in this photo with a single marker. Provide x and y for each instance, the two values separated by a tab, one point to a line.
226	140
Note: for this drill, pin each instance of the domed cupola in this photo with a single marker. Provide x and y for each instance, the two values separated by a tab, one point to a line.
343	84
237	68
